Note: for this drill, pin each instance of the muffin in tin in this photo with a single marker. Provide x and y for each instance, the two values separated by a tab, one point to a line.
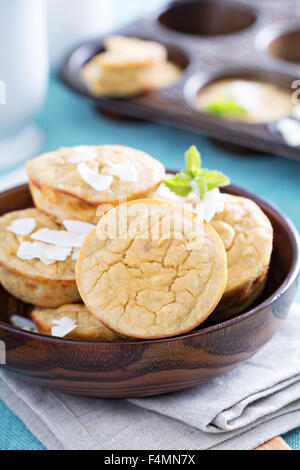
83	182
247	101
161	276
83	325
247	235
129	66
43	280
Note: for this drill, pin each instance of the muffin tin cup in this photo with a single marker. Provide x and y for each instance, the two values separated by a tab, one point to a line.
280	42
199	81
227	47
70	69
207	17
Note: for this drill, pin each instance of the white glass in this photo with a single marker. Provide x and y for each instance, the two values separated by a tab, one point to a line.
73	21
23	77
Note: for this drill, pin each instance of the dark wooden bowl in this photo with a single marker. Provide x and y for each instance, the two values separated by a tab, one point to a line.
143	368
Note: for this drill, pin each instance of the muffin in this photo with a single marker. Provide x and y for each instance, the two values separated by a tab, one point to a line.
83	182
71	321
249	101
134	52
151	269
129	66
247	235
36	272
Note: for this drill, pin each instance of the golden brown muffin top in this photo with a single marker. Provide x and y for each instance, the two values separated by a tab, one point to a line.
126	52
132	172
162	275
87	327
10	243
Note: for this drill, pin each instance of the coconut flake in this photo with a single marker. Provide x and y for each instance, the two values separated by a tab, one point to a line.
246	94
63	327
60	238
93	179
78	227
22	322
22	226
166	194
45	253
75	253
83	154
124	172
290	131
213	203
57	253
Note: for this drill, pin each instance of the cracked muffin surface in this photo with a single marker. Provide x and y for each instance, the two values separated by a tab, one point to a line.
151	269
59	189
30	279
87	326
247	235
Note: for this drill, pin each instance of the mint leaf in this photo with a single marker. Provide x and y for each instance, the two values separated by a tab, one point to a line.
186	175
224	106
195	178
215	179
193	159
199	185
178	185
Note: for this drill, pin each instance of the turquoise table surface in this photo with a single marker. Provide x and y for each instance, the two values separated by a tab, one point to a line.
67	119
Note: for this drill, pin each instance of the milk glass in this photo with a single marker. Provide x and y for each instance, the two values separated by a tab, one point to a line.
23	77
71	22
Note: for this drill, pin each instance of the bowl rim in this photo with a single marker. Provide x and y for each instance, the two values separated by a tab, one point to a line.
291	276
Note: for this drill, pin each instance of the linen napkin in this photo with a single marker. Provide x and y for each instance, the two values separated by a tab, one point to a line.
240	410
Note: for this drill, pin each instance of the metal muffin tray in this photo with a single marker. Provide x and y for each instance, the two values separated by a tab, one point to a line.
210	39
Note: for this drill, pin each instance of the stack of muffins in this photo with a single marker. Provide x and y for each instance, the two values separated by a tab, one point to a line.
128	67
133	284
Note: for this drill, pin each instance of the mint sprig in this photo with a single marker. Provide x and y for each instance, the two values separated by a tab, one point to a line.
225	106
195	178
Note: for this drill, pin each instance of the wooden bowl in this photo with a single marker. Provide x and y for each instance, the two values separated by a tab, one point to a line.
143	368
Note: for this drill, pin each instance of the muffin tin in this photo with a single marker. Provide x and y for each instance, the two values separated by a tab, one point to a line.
211	40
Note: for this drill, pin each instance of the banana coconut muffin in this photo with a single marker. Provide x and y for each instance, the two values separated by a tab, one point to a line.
71	321
151	269
128	67
247	235
83	182
37	257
